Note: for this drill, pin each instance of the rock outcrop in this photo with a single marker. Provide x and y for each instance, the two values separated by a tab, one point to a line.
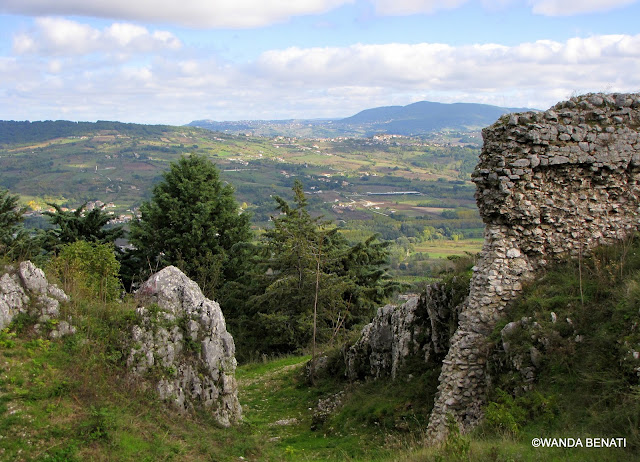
549	184
24	289
182	343
419	329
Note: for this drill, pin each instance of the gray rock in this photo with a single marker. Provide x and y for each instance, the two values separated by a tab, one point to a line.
32	277
25	289
13	298
418	328
62	329
325	408
536	356
182	336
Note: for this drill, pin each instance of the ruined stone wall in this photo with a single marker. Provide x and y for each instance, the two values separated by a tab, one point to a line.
549	184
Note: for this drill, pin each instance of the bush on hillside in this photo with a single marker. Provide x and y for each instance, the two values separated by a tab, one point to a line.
88	268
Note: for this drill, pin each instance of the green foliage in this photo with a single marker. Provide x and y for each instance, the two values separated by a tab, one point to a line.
306	275
582	320
64	454
402	405
99	424
10	216
22	322
79	224
456	447
30	132
508	415
15	243
192	222
88	268
7	338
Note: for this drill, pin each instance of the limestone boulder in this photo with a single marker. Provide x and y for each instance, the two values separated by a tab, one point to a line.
420	328
24	289
181	343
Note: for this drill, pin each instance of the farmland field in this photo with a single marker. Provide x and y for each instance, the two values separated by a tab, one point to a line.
414	192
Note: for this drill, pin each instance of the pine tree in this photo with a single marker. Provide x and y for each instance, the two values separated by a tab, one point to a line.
194	223
14	241
79	225
309	283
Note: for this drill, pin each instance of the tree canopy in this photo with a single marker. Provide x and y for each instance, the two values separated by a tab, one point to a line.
76	225
193	222
14	241
305	278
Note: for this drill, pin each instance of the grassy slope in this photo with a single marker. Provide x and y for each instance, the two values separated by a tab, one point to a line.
69	399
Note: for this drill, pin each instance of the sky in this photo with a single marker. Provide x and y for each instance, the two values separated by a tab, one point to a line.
171	62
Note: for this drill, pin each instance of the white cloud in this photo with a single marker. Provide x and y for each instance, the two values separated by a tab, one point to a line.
542	7
538	69
193	13
259	13
408	7
444	65
57	36
573	7
313	82
55	66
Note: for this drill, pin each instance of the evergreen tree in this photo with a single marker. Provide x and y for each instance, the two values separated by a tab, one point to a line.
309	283
14	240
79	225
194	223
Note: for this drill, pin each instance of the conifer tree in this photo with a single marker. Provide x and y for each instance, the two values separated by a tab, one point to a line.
309	283
14	241
193	222
79	225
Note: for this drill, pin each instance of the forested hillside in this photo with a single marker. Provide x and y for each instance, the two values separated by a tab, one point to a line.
18	132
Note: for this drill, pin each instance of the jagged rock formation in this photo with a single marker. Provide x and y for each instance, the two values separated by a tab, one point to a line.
419	328
24	289
548	184
182	343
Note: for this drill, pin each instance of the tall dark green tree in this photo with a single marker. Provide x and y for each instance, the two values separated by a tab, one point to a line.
194	223
308	283
14	240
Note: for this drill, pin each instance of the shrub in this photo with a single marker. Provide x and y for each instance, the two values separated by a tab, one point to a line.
88	268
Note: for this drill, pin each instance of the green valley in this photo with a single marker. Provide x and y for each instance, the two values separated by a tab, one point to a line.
414	191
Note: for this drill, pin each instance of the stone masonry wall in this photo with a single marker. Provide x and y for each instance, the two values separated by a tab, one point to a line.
549	184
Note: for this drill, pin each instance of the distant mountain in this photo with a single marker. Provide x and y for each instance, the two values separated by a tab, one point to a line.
426	116
416	119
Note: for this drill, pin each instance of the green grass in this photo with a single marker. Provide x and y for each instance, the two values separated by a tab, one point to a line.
71	399
442	248
583	317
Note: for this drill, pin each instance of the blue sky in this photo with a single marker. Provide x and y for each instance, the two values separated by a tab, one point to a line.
162	61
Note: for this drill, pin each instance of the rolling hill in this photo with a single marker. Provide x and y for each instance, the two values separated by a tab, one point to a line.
418	119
